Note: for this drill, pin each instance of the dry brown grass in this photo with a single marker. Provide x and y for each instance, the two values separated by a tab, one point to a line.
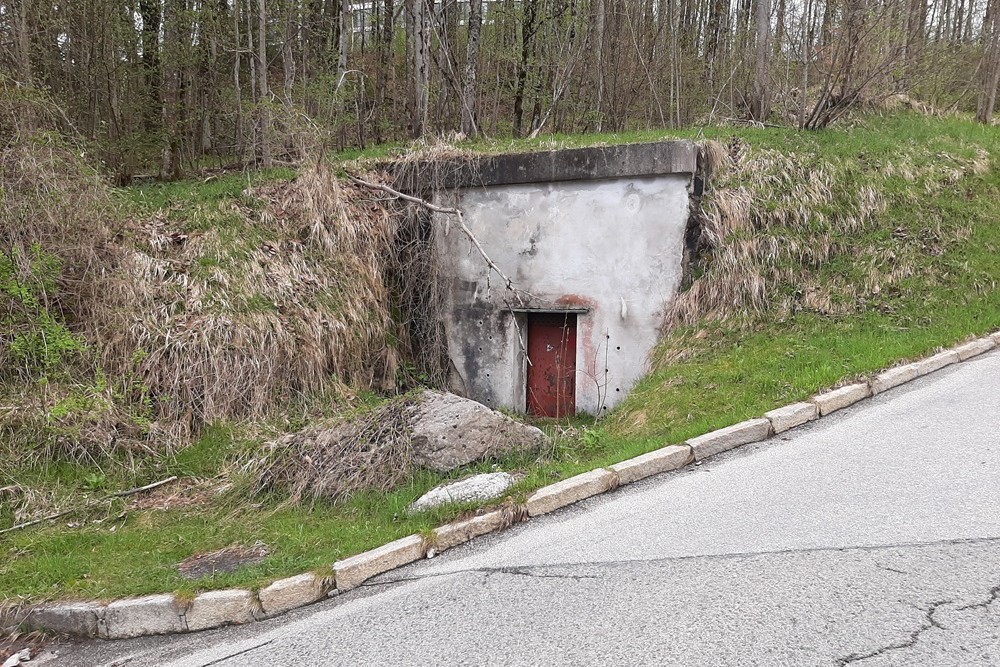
291	298
775	222
335	459
228	324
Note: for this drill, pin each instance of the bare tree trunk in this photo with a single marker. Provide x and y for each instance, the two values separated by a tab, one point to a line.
806	37
22	42
343	40
418	22
170	167
760	102
237	89
287	55
599	30
264	116
990	66
470	94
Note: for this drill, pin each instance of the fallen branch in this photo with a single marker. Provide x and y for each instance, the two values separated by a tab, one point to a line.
447	210
90	505
140	489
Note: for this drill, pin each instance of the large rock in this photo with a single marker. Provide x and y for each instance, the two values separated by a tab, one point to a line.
486	486
449	431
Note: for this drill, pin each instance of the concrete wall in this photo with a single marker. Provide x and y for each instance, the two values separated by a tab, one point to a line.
608	248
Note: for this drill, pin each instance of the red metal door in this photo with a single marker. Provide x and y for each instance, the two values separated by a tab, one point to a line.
552	364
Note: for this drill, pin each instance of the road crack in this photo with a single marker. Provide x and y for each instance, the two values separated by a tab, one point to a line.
527	572
994	595
929	623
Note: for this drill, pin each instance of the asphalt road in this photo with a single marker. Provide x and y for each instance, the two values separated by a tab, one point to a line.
869	538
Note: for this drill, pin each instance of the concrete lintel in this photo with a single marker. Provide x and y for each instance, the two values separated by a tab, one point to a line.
571	164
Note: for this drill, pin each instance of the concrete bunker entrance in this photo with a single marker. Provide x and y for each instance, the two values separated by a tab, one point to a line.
590	243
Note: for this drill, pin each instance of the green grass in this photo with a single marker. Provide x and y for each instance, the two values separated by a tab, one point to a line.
730	371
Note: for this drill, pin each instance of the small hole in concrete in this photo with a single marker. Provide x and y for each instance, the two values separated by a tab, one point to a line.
619	347
617	389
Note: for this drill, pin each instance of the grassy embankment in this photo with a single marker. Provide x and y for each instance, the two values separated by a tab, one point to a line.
885	247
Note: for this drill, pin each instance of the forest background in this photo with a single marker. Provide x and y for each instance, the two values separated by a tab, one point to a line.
167	87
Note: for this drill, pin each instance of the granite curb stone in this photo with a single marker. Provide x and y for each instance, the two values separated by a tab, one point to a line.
452	534
838	399
724	439
217	608
354	571
149	615
893	378
569	491
290	593
975	347
76	619
937	362
658	461
790	416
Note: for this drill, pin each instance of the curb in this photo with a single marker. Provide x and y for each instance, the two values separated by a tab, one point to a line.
167	614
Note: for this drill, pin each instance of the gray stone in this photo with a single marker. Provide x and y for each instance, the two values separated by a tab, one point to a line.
840	398
569	491
452	534
974	348
790	416
292	593
937	362
354	571
752	430
217	608
138	617
661	460
996	337
894	377
476	488
449	431
75	619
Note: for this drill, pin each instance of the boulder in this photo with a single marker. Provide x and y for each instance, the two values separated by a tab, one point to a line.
449	431
478	487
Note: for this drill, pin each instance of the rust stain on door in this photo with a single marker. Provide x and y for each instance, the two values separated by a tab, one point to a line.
551	390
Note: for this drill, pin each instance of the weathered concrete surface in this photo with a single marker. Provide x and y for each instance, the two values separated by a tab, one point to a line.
217	608
452	534
290	593
710	444
790	416
485	486
894	377
841	398
937	362
568	491
76	619
575	164
354	571
609	249
659	461
844	538
975	347
150	615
